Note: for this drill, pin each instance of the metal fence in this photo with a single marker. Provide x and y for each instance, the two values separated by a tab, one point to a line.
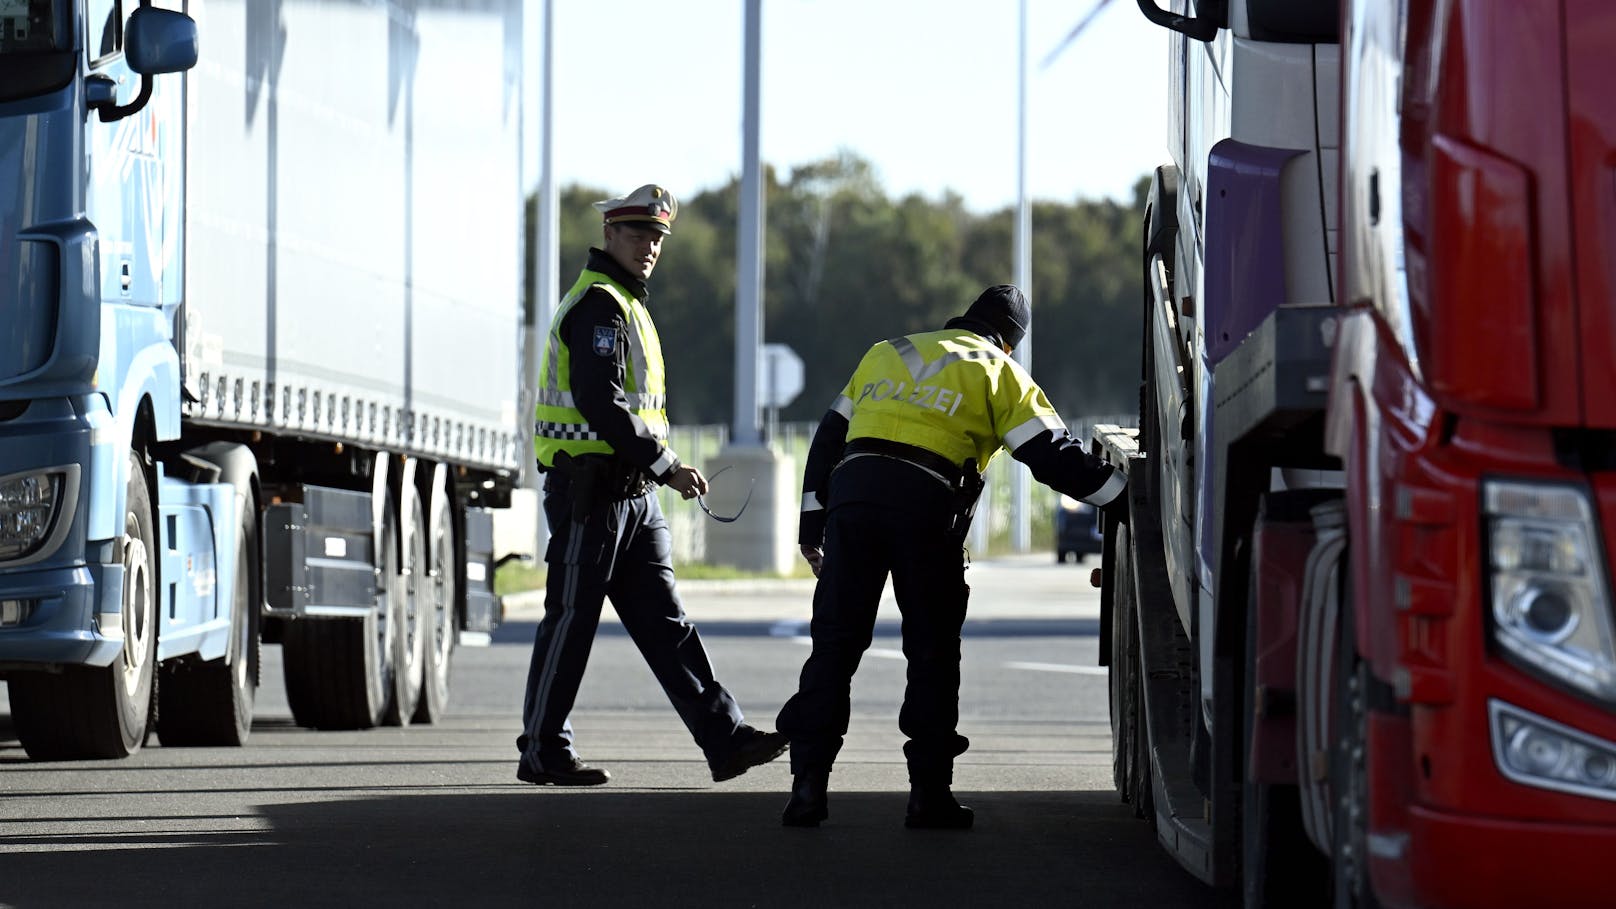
700	444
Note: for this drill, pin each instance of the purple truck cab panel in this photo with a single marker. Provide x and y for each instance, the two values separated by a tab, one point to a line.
1244	274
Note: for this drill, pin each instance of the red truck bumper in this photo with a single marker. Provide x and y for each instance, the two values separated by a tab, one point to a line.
1471	862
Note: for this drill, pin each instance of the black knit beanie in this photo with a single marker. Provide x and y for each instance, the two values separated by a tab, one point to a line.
1004	309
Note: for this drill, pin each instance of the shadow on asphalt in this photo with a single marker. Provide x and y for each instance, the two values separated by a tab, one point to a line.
554	847
522	632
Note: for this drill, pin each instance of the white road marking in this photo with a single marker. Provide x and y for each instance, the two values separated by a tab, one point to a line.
881	652
1060	667
886	654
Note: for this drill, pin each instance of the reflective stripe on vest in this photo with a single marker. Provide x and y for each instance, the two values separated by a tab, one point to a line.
557	423
949	392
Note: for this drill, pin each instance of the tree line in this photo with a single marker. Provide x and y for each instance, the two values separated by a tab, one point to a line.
845	266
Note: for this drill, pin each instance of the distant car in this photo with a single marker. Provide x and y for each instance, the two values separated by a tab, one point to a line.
1077	529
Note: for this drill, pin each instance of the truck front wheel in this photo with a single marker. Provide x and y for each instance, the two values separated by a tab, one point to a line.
212	703
96	711
1349	778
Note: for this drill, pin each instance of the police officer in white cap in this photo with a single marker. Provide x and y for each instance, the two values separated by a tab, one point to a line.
889	487
601	437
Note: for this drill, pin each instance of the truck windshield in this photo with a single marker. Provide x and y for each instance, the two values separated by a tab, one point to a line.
36	47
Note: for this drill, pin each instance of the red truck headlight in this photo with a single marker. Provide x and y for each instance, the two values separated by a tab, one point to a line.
1536	751
1550	600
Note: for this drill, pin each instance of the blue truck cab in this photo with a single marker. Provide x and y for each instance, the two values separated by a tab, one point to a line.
89	380
182	324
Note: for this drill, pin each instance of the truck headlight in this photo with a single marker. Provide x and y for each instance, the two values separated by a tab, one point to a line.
28	504
1550	600
1537	751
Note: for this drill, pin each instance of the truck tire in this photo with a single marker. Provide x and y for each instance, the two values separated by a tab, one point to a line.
409	588
339	672
440	604
212	703
1119	681
1130	744
1349	783
102	711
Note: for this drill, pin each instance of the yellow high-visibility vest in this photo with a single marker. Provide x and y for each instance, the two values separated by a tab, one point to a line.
557	424
950	392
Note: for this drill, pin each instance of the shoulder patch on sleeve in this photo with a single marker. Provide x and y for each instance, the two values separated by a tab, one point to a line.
605	340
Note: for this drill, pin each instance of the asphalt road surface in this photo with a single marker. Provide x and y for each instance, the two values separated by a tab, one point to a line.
429	816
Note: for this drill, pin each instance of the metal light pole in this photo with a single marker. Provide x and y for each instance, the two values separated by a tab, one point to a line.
1020	480
542	240
749	245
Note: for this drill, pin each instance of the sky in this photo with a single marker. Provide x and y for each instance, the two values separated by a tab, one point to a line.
651	92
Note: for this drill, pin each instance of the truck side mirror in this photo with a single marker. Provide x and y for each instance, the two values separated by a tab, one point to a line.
154	41
160	41
1201	28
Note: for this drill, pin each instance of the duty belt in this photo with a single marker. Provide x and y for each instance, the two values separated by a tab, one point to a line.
609	478
929	461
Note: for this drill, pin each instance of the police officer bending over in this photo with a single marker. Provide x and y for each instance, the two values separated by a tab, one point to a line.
891	480
601	431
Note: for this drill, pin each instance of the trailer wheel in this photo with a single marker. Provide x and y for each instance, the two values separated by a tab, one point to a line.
409	587
212	703
96	711
339	672
439	606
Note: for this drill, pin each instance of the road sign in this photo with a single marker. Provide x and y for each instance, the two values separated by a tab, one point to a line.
782	376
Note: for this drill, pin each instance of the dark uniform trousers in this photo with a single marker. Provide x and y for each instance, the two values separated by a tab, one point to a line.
623	551
864	541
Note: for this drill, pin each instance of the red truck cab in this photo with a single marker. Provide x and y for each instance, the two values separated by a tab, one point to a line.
1472	408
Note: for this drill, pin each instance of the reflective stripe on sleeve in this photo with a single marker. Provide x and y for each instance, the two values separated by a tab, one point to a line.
663	462
810	502
1024	433
844	406
1107	493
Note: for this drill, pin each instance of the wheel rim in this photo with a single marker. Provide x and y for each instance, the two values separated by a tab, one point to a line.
137	611
244	625
385	616
442	562
413	589
1351	855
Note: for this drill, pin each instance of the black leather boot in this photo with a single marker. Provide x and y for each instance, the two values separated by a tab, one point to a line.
808	805
932	807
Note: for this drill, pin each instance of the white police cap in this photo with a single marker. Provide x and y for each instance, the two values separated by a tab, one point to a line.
650	204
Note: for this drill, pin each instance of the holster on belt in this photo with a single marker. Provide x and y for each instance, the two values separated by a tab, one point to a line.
594	479
583	482
967	490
